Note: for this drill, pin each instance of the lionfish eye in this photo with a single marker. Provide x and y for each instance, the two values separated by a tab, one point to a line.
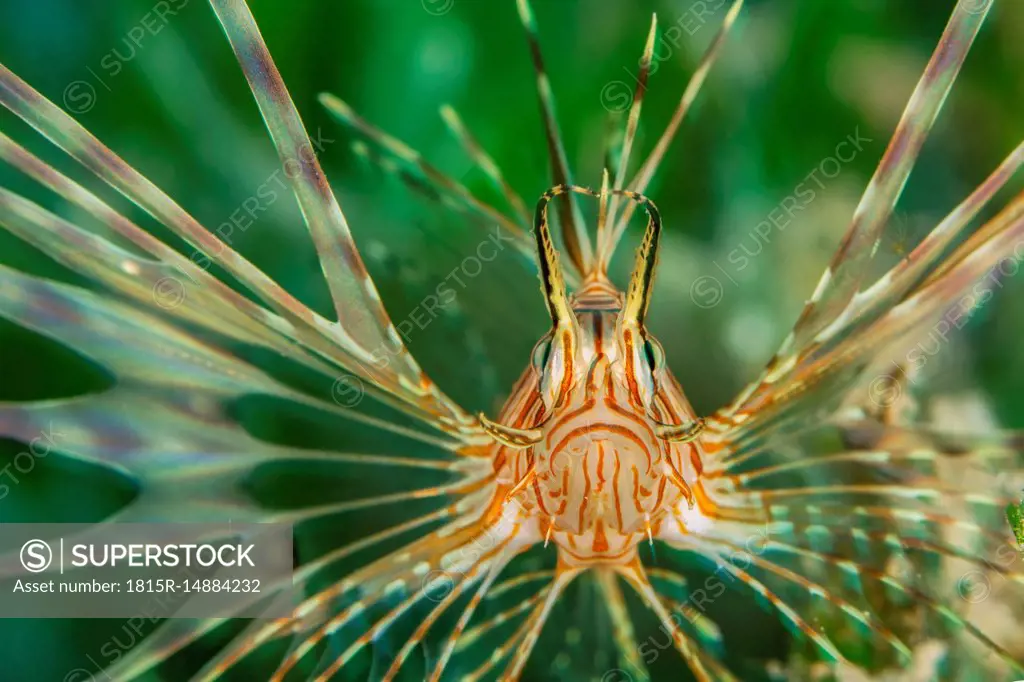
655	354
650	353
541	353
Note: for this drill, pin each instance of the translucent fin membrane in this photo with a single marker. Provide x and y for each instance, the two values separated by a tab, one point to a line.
844	330
395	156
652	163
367	346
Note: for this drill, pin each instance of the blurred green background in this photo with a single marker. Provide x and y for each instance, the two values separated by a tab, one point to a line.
796	78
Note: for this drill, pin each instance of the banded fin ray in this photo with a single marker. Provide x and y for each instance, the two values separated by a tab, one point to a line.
842	279
402	380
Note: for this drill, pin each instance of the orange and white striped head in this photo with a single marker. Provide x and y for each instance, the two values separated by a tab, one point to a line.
597	440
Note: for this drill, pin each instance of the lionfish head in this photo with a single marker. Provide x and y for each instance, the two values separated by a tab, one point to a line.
613	441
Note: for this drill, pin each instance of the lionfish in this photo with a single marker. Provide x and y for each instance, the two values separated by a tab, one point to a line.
853	533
